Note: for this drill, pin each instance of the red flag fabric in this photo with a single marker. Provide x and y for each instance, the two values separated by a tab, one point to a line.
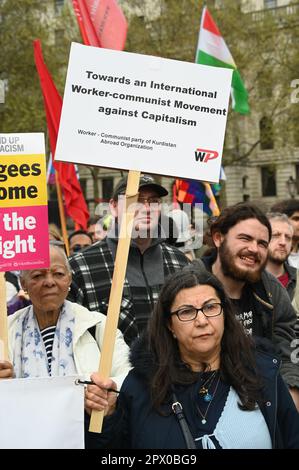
73	197
102	23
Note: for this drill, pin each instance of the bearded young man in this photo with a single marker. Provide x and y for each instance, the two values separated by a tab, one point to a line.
241	235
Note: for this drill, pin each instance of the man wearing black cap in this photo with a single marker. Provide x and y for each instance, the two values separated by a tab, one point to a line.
150	261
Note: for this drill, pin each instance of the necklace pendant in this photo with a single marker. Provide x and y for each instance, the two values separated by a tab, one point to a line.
207	397
203	391
203	421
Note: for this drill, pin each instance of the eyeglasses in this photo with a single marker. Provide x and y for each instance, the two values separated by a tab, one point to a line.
78	247
190	312
149	200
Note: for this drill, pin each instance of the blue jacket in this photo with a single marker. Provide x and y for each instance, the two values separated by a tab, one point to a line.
136	425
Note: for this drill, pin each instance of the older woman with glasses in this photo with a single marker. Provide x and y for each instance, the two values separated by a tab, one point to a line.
55	337
197	380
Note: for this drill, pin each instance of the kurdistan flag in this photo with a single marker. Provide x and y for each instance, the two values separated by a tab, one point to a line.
212	50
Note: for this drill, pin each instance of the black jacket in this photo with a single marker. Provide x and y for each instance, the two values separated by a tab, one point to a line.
136	425
291	285
274	318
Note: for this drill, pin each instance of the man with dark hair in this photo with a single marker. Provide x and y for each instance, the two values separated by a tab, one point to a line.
150	261
79	240
290	207
241	235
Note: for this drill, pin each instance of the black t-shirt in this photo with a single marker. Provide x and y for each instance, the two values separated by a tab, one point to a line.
244	313
254	316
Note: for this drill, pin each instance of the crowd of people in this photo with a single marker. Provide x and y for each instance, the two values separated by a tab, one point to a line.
205	354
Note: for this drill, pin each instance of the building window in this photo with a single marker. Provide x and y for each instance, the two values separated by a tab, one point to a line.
270	3
59	5
83	184
244	182
268	181
107	188
266	133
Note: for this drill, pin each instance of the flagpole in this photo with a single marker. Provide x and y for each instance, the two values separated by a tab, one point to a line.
116	292
62	215
207	185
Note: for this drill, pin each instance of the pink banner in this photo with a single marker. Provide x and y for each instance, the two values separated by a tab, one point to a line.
24	238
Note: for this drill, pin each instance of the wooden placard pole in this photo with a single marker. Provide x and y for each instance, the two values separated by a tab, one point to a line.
61	215
116	292
3	320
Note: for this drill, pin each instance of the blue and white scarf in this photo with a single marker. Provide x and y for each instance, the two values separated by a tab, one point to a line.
30	357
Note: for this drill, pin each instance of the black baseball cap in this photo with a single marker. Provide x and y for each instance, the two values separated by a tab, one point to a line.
145	181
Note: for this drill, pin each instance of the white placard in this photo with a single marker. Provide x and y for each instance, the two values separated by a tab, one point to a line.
41	413
144	113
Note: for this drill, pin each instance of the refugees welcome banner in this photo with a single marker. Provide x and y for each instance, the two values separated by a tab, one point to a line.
24	238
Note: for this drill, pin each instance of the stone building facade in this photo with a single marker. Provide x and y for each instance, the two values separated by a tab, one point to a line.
270	173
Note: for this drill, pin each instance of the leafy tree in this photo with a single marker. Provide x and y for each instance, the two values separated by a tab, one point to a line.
21	23
263	47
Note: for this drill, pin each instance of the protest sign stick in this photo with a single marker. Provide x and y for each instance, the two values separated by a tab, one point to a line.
3	320
61	215
116	292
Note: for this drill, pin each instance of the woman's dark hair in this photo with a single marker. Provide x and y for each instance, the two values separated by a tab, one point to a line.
237	361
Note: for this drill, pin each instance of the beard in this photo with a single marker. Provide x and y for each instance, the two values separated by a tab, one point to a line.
277	258
230	269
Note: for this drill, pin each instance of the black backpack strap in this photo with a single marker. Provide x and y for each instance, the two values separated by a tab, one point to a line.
178	411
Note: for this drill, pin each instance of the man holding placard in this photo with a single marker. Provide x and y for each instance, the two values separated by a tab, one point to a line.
150	261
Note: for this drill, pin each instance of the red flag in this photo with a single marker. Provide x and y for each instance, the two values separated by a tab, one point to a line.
73	197
102	23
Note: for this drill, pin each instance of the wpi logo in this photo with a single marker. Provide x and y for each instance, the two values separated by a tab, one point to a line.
204	155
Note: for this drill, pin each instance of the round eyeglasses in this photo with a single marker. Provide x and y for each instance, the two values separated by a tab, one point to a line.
149	200
189	313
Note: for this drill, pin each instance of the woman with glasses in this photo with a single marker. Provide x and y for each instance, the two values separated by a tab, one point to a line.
197	380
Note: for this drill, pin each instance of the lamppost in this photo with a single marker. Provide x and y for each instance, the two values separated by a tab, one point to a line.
292	187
